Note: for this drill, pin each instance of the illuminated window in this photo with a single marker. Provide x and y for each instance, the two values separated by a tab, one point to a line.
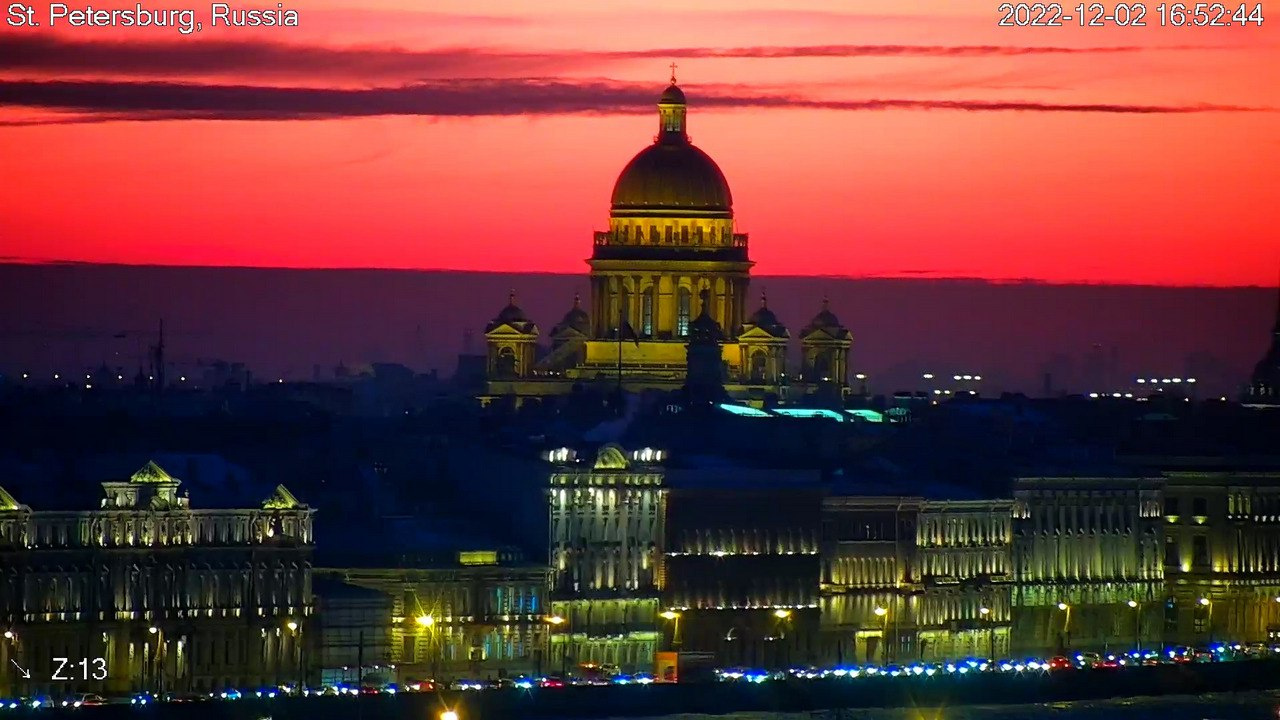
646	313
682	312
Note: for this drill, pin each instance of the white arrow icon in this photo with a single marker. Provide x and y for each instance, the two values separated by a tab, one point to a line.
26	674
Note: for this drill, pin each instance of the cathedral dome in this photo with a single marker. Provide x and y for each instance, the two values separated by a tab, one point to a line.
576	319
509	315
764	319
672	177
825	321
672	174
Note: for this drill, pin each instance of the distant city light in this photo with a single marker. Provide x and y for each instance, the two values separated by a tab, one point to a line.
928	376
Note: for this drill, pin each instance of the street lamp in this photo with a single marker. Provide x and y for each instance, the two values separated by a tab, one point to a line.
883	614
1066	625
783	615
293	627
425	621
449	715
985	612
674	617
155	667
556	621
1137	624
1208	605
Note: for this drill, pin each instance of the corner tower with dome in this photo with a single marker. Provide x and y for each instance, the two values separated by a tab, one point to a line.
672	254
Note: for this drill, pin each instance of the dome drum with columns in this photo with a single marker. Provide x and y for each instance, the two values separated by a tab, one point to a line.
671	262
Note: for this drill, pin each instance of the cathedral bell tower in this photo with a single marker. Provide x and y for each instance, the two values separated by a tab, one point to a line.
705	358
824	352
511	340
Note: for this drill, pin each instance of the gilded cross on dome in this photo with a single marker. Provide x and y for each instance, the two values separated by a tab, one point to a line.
673	73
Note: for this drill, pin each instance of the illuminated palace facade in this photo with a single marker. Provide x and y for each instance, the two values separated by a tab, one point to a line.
671	256
789	571
605	546
152	594
905	578
482	617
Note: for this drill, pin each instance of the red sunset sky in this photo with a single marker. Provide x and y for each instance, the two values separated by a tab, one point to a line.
456	134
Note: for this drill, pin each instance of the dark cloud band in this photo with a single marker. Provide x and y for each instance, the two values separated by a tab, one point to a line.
255	58
111	101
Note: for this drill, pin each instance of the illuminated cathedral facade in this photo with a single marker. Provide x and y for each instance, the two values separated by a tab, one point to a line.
669	295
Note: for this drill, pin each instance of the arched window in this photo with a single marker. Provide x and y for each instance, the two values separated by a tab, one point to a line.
683	303
505	365
759	366
646	313
823	365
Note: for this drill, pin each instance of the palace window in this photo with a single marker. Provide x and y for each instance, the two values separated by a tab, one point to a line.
682	312
646	313
1200	550
1199	506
